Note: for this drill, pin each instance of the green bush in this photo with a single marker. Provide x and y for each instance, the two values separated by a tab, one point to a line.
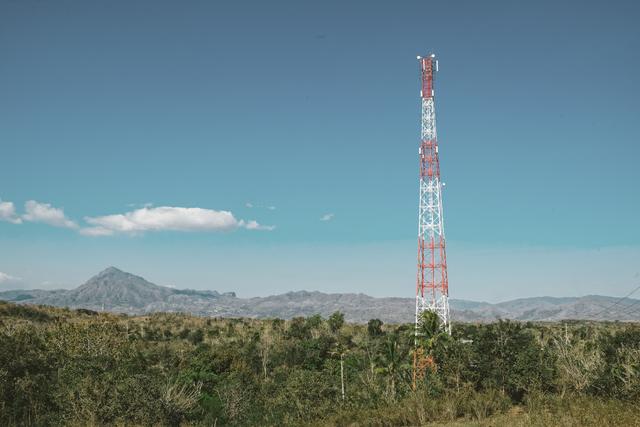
62	367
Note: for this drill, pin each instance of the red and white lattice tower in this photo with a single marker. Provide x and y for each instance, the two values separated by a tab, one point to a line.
432	290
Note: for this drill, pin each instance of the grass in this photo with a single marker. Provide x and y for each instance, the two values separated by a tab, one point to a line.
538	411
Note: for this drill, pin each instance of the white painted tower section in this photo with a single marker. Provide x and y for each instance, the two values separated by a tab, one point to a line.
432	282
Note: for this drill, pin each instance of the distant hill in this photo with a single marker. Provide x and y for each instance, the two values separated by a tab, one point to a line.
117	291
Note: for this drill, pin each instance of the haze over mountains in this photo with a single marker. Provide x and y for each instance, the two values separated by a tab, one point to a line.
117	291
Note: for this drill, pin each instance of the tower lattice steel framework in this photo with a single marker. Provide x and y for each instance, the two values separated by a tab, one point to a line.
432	290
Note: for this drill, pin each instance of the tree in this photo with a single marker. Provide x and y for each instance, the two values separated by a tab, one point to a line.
314	324
510	359
374	328
429	325
298	329
196	336
336	321
393	362
314	321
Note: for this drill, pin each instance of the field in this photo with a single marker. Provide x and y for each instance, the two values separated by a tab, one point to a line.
78	367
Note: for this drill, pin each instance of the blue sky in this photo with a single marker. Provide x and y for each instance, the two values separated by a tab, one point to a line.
303	110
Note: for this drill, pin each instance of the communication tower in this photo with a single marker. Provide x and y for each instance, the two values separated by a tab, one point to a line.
432	289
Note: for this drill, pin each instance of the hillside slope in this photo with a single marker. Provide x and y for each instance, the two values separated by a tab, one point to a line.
117	291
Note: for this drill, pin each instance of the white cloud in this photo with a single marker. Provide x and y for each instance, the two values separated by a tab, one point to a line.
140	205
8	213
96	231
253	225
166	218
259	206
327	217
44	212
146	218
6	278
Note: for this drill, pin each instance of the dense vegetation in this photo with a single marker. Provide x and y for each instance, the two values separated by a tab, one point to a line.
62	367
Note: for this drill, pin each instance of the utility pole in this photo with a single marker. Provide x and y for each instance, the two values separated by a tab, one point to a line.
340	350
342	373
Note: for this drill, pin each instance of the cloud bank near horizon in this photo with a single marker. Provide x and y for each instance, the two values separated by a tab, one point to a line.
167	218
4	278
135	222
9	280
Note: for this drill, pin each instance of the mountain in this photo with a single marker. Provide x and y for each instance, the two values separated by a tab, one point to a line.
112	288
28	294
117	291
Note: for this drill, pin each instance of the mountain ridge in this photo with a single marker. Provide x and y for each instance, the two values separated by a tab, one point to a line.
115	290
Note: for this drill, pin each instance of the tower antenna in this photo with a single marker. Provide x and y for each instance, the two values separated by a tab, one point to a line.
432	289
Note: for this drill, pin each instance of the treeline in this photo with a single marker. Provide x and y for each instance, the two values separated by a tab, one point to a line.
63	367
